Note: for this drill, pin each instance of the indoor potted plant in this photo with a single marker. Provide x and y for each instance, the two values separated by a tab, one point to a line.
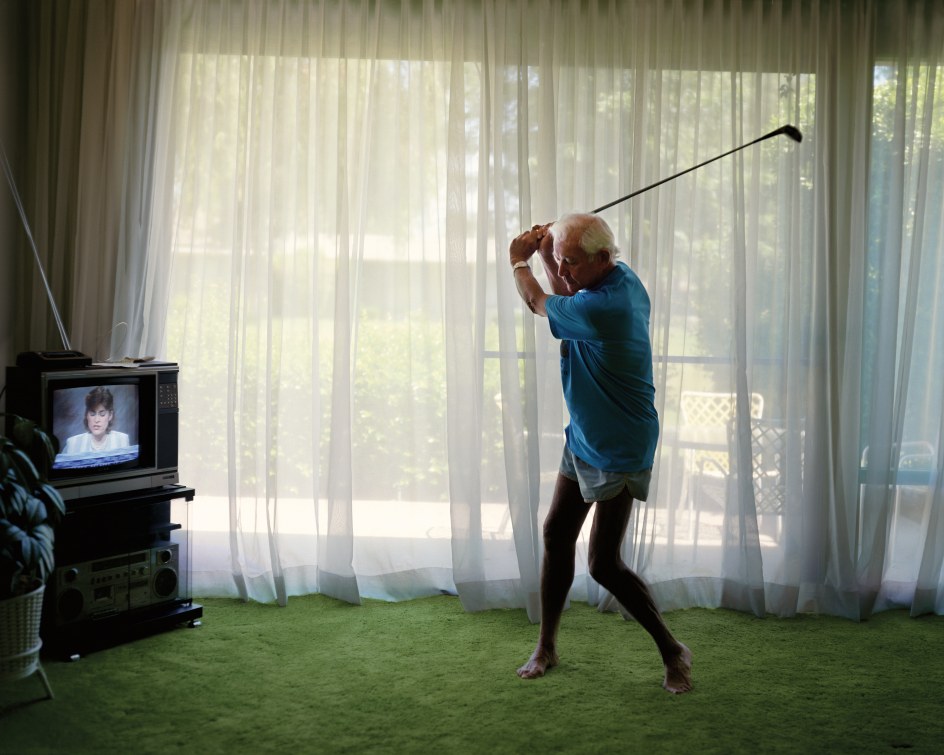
30	509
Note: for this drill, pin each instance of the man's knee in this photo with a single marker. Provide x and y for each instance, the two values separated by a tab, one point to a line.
604	569
557	536
566	517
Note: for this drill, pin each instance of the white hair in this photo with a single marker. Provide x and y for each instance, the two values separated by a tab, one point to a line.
595	234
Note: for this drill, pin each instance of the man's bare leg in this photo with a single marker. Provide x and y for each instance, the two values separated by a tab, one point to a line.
606	567
561	529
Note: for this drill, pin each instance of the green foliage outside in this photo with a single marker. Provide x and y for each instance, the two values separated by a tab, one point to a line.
282	385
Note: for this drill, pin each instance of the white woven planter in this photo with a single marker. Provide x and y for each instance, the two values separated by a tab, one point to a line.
20	619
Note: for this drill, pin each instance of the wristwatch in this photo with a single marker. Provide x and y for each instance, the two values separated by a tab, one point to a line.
518	265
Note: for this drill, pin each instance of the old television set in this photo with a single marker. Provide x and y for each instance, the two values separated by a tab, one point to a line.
138	451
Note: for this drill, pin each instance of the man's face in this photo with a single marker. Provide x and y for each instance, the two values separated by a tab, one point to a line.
577	269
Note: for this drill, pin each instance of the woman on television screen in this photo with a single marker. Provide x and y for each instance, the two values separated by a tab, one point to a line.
99	418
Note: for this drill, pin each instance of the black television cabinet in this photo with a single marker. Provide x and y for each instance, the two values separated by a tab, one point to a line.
122	570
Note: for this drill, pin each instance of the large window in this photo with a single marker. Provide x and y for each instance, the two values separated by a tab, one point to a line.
378	409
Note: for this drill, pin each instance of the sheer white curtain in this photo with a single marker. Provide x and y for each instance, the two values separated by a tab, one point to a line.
901	534
367	408
86	173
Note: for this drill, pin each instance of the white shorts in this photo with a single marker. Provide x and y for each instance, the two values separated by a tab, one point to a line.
598	485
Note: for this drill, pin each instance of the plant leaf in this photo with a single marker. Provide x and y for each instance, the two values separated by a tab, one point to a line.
23	468
10	537
22	433
55	506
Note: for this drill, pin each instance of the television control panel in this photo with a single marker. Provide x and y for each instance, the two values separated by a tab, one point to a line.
167	396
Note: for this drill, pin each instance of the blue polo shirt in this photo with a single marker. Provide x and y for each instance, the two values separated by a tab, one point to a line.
606	371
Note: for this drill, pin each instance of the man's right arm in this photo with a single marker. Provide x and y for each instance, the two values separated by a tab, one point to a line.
520	252
537	240
551	268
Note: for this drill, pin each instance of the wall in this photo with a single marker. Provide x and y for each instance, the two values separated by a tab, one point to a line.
12	104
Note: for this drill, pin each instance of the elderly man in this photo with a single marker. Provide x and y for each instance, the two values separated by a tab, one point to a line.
600	311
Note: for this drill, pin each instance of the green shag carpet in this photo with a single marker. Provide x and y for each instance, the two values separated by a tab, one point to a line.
424	676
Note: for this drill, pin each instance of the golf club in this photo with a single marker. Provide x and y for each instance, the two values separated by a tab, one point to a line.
790	131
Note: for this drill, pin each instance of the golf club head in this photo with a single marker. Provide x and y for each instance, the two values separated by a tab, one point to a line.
791	131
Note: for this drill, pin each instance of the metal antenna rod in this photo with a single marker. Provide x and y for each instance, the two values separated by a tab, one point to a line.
790	131
29	234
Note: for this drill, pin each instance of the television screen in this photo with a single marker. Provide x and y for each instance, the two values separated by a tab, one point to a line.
97	426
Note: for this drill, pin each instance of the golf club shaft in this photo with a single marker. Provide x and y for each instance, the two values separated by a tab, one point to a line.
789	131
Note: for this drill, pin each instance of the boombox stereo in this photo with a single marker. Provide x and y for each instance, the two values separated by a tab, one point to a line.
109	586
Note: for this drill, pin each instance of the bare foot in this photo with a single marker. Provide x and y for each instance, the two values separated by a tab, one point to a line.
539	662
678	673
